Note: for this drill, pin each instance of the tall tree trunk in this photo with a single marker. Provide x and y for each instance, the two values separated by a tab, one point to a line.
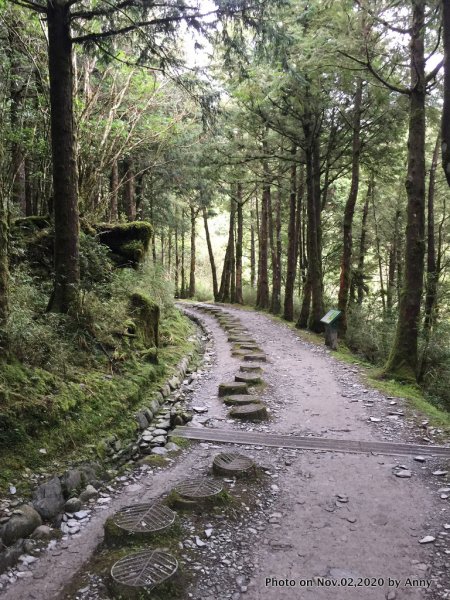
403	358
211	254
4	273
252	249
193	253
314	227
445	126
349	211
362	243
299	254
129	190
239	242
29	189
432	272
305	310
114	192
65	295
183	251
225	283
177	263
288	313
275	305
154	229
378	253
17	94
262	295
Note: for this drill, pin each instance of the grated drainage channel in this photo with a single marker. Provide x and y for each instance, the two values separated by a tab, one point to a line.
307	443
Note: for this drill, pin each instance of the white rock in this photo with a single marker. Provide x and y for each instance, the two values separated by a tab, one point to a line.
208	533
199	542
427	539
420	459
403	473
440	473
374	419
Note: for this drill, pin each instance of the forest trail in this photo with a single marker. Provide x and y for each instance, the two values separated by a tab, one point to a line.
345	517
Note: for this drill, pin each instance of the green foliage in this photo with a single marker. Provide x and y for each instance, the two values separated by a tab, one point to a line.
436	367
128	242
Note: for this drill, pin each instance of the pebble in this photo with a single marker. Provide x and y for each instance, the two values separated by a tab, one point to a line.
420	459
427	539
403	473
440	473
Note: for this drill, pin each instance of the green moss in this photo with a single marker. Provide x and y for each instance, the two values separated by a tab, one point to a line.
145	314
69	418
181	442
128	242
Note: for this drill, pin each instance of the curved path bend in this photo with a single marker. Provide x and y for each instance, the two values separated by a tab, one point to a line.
325	525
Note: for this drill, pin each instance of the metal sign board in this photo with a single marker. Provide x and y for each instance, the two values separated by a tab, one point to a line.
331	317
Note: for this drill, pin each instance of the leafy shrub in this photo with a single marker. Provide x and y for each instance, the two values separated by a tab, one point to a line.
436	366
369	336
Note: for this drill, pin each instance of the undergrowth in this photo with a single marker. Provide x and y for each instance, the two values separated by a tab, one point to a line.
68	382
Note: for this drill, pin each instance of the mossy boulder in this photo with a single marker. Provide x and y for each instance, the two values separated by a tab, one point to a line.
128	242
145	314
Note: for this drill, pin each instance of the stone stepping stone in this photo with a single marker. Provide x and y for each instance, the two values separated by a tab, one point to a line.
249	378
232	464
240	339
137	522
135	575
256	411
240	400
250	369
229	389
254	347
238	352
256	357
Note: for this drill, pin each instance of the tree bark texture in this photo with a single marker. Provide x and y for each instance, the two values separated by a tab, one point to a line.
349	211
403	358
66	246
292	250
211	254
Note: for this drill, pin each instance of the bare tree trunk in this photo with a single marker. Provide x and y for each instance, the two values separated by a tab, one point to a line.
129	190
114	192
275	307
378	252
252	249
362	243
445	126
432	272
262	295
225	283
65	295
288	313
403	358
177	264
299	252
193	253
17	95
4	273
239	242
211	254
349	211
314	227
183	250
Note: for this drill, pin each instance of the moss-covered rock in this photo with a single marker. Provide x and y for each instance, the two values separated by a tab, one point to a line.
128	242
145	314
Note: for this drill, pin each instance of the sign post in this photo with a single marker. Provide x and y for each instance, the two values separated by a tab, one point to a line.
331	334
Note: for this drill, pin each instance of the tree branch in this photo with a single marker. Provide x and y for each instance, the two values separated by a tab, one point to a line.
30	5
369	66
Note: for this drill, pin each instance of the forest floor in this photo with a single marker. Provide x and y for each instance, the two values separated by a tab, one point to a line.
312	514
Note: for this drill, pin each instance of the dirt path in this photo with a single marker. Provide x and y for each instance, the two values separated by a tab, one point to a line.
317	515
